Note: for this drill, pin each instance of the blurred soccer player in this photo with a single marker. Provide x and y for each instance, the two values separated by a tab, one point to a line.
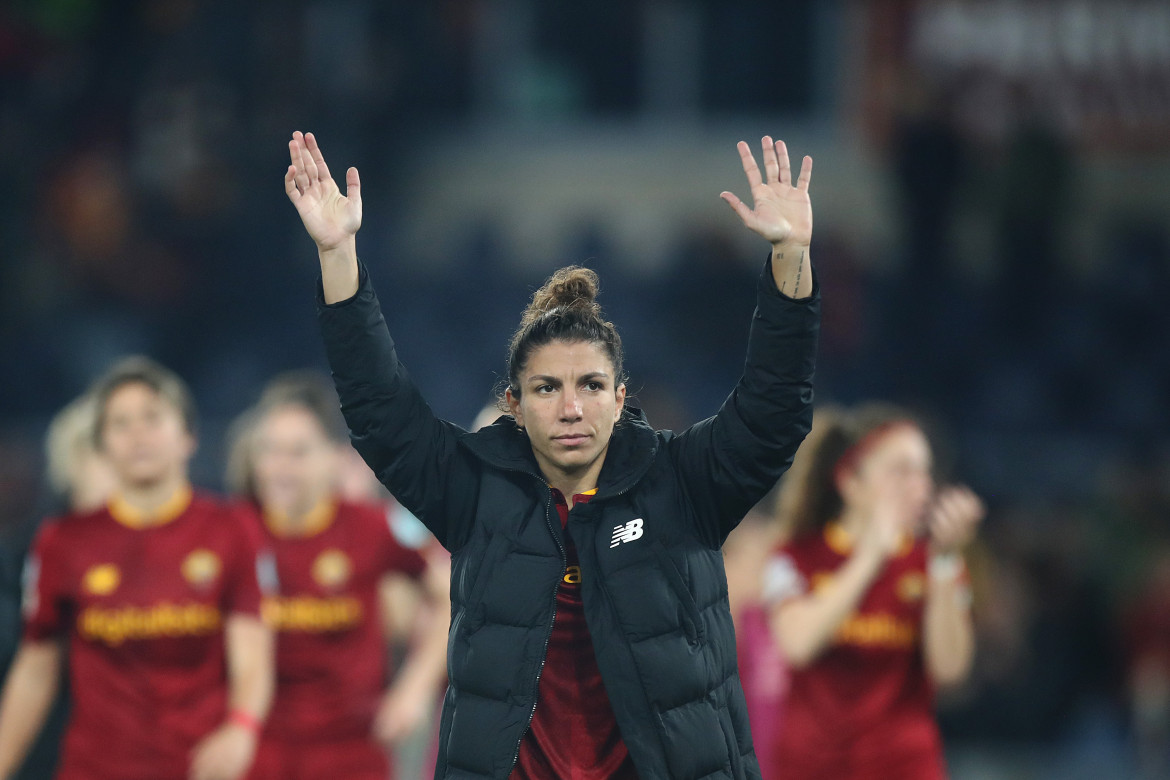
333	715
157	594
79	474
870	604
80	480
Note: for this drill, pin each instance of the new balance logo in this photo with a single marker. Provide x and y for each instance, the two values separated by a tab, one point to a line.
626	533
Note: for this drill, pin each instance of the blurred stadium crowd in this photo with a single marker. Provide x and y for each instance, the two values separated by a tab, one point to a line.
1006	275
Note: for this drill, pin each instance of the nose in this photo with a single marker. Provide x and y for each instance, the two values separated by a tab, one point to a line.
570	407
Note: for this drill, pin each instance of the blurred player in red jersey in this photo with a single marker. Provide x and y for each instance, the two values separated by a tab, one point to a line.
170	665
869	601
79	474
333	715
80	480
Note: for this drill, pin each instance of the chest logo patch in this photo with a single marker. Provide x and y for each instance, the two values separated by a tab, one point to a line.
911	587
627	532
103	579
332	568
201	567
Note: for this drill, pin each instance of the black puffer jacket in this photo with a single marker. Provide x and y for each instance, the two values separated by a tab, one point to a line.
655	601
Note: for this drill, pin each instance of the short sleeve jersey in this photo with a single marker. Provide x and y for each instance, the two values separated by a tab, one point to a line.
143	605
864	708
331	661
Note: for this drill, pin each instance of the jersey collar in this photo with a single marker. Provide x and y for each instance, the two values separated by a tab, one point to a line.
317	520
133	517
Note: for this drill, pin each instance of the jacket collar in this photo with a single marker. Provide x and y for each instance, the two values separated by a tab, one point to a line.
631	450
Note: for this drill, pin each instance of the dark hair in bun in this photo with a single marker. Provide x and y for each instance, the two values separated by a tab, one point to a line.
565	309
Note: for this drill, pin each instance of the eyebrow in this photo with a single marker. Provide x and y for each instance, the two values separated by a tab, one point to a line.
552	380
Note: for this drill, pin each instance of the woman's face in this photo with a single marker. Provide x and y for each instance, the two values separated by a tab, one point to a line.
294	463
568	405
144	436
896	469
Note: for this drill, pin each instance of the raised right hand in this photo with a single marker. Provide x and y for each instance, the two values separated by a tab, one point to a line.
332	219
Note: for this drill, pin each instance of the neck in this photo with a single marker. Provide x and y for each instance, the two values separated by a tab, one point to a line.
851	522
148	497
302	518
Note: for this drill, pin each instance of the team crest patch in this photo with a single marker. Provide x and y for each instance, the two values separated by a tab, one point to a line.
201	567
911	587
332	569
103	579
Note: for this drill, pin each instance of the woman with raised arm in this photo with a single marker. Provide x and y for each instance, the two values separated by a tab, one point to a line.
869	600
154	594
590	635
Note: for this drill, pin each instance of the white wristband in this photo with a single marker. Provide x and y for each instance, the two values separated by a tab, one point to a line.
946	567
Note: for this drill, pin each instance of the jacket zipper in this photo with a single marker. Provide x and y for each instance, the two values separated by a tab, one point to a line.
548	634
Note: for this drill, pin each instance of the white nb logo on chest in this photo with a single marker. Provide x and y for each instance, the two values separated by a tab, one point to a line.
626	533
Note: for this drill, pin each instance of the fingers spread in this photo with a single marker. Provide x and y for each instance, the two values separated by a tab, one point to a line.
781	154
749	165
315	153
294	149
353	184
805	174
737	205
771	165
290	184
308	166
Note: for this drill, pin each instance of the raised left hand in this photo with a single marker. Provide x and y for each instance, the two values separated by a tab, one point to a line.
953	519
224	754
783	212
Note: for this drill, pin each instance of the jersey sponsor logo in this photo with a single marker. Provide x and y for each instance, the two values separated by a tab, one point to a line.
627	532
911	586
573	575
101	580
312	615
879	630
201	567
332	569
163	621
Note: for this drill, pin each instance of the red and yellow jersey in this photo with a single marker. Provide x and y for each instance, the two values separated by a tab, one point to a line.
865	707
143	603
330	647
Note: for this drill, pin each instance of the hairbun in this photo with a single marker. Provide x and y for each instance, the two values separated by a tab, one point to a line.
572	287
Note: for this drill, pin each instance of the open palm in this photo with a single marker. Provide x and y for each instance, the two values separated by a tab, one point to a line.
783	212
330	217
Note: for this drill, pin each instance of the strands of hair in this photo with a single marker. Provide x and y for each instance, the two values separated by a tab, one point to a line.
564	309
571	287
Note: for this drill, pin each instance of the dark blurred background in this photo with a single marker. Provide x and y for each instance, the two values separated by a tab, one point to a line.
992	195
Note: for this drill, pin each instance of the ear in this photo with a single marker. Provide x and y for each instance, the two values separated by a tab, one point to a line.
190	444
514	406
620	395
848	484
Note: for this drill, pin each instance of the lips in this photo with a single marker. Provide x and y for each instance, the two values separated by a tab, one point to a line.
571	439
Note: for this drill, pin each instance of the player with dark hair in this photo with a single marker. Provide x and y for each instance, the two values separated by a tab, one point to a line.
869	600
333	715
590	635
156	592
